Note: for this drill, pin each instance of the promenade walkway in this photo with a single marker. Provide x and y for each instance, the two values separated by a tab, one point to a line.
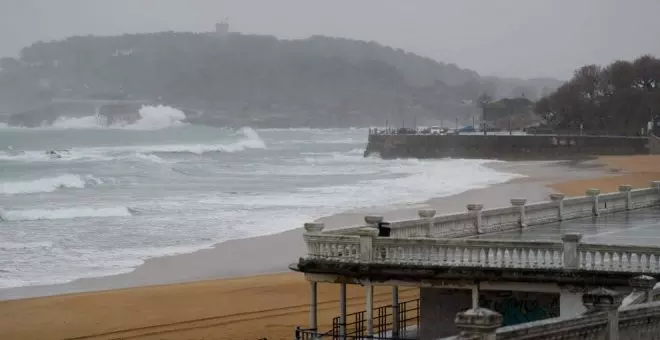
636	227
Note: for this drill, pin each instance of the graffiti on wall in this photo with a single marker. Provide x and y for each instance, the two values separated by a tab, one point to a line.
521	307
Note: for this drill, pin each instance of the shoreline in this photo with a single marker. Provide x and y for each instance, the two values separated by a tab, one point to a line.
274	252
270	305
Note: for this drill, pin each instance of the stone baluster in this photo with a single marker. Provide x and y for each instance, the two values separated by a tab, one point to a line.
645	284
367	236
627	190
559	200
571	253
477	324
520	203
602	300
594	194
427	215
313	228
476	210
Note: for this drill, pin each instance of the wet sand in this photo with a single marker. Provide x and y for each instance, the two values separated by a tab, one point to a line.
252	307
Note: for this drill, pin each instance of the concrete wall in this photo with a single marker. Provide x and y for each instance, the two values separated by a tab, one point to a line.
438	308
654	145
503	146
521	307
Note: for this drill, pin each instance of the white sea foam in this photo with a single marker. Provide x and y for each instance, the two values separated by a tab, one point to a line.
63	213
48	184
6	245
151	118
227	197
157	117
250	139
88	122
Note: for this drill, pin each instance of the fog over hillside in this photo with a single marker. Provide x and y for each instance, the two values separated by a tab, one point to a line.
234	77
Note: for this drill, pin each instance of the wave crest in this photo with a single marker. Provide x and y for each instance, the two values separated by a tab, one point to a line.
48	184
63	213
151	118
250	140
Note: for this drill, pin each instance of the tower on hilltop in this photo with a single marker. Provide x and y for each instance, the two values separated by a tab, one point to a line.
222	28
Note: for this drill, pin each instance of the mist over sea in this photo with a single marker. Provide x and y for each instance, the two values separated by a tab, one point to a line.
112	197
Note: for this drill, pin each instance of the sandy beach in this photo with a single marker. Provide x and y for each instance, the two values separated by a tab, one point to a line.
241	289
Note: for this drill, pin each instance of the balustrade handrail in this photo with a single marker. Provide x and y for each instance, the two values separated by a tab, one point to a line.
632	249
482	243
467	242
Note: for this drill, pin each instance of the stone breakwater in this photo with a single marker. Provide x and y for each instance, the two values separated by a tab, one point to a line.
506	147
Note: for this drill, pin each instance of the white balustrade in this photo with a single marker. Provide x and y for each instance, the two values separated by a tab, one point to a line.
425	251
342	248
500	219
455	225
508	218
577	207
619	258
612	202
468	253
431	240
643	198
541	213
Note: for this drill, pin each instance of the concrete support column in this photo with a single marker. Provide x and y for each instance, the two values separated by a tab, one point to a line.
570	301
313	305
475	296
559	200
594	194
602	300
626	190
571	253
395	312
342	310
520	203
476	210
370	309
427	214
367	236
478	324
644	283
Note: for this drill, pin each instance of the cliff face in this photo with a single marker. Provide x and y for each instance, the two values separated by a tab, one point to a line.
319	80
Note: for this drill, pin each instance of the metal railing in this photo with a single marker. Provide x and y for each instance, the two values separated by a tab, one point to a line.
405	316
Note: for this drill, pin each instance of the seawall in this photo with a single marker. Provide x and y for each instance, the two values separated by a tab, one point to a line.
508	147
654	144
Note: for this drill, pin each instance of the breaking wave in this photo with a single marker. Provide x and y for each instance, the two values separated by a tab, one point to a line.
151	118
249	139
62	213
48	184
157	117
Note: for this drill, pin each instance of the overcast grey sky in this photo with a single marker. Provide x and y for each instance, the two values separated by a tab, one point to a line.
521	38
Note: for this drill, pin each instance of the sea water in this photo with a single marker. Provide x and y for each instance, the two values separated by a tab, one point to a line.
111	197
